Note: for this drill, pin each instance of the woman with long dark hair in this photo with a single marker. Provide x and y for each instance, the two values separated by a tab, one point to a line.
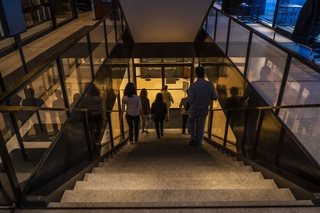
146	110
159	114
131	103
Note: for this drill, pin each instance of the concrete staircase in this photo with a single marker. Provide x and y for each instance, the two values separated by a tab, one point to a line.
167	173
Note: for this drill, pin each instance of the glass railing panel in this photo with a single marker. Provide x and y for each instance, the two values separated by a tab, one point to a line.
29	143
238	44
47	88
77	69
301	88
119	20
116	122
265	69
222	33
98	48
12	69
209	25
6	187
111	32
124	24
218	126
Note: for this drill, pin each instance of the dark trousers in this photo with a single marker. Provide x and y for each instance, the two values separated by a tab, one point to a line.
159	126
184	123
133	122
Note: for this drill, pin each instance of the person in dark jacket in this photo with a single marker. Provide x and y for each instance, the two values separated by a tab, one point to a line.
159	113
184	111
146	110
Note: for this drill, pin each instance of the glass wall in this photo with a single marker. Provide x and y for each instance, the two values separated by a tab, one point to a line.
283	13
29	133
275	77
40	17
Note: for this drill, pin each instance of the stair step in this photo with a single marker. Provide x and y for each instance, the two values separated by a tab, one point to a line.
169	173
190	176
170	169
128	183
274	206
186	165
120	158
175	196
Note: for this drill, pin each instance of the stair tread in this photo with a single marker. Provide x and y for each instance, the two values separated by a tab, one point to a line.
190	175
176	195
170	173
283	204
166	169
127	183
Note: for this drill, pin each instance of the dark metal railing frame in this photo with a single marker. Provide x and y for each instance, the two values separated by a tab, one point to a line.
21	84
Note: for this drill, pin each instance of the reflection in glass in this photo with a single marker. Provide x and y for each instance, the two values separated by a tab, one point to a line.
97	42
265	69
237	50
301	88
221	34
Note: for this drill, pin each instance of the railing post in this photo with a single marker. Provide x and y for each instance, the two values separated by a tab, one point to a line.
215	26
228	36
9	169
14	123
226	129
283	83
106	37
88	134
63	85
211	113
120	118
257	135
110	127
245	72
90	55
115	26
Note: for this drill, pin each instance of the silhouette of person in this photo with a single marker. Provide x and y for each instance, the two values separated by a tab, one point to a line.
265	87
159	113
31	100
233	102
58	115
42	94
146	110
184	109
267	95
75	100
309	117
93	102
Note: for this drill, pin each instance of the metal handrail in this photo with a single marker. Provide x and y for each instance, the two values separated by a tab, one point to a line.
271	41
20	84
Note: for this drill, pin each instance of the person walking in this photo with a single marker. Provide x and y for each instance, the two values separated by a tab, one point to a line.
184	111
200	95
146	110
131	103
159	114
167	97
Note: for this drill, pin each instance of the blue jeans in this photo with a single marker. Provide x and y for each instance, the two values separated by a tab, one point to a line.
197	119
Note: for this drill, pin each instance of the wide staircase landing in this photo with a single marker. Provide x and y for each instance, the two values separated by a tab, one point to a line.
168	175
